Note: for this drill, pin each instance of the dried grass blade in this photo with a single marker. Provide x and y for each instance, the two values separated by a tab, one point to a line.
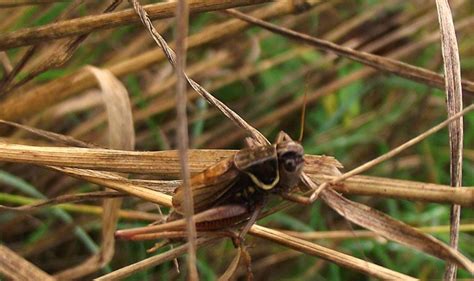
182	13
118	183
328	254
232	268
86	24
164	163
401	189
38	204
119	113
392	229
393	152
50	135
5	63
15	267
357	234
121	136
81	208
171	56
151	261
452	77
182	21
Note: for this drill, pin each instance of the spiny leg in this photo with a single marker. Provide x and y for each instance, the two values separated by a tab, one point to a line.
253	218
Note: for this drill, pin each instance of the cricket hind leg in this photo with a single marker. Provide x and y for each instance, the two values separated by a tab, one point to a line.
253	218
237	237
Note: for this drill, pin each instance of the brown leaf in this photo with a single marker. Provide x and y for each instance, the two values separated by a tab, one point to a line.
121	136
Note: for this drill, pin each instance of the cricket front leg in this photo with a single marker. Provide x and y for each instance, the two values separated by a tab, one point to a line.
305	179
300	199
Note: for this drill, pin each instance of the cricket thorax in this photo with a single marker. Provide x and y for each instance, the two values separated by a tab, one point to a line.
260	164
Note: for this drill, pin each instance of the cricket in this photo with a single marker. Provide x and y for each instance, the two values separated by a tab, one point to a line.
233	192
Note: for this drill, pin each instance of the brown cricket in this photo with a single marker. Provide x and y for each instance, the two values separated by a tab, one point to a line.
233	192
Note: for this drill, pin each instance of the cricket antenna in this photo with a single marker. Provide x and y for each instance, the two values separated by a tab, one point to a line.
303	113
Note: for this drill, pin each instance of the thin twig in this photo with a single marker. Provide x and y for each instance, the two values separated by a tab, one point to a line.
394	151
86	24
151	261
171	56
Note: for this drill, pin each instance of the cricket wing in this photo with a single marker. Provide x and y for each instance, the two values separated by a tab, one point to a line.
208	186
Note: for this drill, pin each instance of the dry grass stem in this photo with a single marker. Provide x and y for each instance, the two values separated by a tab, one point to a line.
453	84
75	161
366	166
151	261
32	205
59	138
325	253
229	113
62	53
121	136
392	229
355	234
15	267
182	14
89	24
119	184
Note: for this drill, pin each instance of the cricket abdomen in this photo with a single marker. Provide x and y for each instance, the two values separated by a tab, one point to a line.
224	223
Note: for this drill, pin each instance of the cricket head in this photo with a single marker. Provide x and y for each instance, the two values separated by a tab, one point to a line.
290	163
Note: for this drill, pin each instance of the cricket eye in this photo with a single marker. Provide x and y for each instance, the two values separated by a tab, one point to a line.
290	165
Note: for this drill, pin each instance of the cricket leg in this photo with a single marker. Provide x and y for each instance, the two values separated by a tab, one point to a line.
253	218
247	260
316	189
300	199
214	218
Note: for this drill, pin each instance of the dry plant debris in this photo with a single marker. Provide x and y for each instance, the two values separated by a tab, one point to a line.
256	79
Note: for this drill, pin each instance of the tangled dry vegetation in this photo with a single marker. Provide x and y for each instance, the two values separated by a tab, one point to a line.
88	91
